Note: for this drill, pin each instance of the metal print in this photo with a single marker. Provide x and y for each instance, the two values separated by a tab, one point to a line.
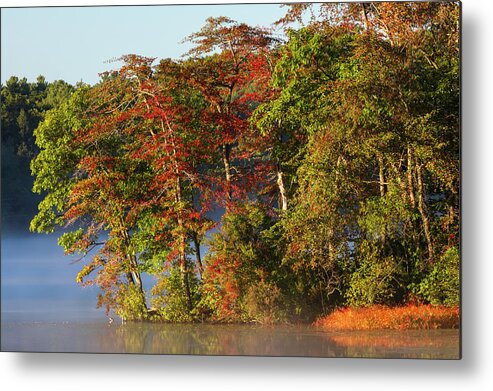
257	179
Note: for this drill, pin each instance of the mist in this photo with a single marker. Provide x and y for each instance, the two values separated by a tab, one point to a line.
38	281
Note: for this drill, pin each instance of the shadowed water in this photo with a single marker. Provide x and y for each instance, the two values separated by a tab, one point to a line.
204	339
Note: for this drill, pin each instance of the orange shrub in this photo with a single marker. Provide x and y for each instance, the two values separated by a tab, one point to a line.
410	317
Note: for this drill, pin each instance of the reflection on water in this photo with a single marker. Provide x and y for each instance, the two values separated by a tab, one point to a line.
227	340
431	344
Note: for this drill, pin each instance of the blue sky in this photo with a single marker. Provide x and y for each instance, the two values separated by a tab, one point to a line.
74	43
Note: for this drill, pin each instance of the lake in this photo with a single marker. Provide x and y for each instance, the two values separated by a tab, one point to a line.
208	339
43	310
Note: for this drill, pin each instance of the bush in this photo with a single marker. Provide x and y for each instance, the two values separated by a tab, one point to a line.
129	304
375	281
264	303
442	285
170	299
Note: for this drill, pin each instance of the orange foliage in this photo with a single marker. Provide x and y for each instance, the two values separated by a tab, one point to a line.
397	318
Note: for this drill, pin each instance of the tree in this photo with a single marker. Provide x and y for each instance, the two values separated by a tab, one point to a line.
225	80
23	107
129	190
374	114
335	156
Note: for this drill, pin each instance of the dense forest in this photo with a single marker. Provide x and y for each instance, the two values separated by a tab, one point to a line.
319	169
23	106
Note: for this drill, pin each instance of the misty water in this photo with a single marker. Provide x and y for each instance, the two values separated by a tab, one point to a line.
44	310
206	339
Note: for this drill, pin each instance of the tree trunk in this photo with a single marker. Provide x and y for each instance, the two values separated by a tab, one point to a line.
282	190
137	280
381	175
133	275
381	183
226	149
423	211
183	245
182	258
197	253
451	216
364	13
136	275
196	243
184	272
130	278
410	186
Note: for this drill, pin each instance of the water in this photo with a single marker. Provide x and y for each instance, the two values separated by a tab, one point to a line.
206	339
44	310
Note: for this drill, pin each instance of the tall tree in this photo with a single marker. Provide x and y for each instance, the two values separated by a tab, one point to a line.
225	79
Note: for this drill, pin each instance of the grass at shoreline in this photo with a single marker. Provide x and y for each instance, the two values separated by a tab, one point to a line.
410	317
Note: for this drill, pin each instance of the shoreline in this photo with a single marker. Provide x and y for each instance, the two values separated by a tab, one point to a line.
372	318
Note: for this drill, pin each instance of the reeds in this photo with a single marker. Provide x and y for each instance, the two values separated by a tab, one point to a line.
409	317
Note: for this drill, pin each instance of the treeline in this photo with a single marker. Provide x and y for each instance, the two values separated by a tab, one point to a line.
23	105
332	156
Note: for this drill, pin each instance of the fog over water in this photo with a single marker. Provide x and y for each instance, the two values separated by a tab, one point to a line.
38	281
152	338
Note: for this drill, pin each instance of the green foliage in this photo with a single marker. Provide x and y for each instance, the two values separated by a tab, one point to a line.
170	298
386	217
23	106
69	239
56	162
375	280
335	155
129	303
245	280
442	284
